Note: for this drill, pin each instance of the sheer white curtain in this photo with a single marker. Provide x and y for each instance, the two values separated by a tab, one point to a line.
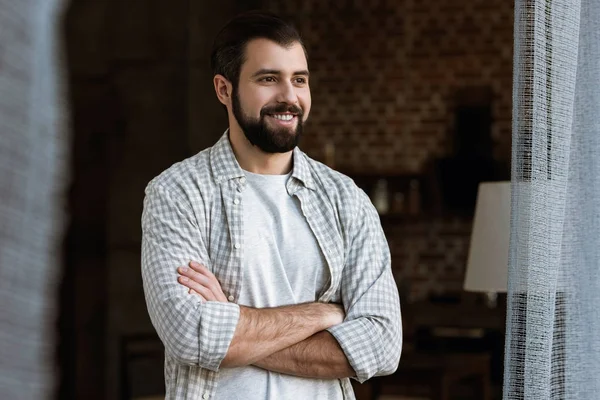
33	148
553	321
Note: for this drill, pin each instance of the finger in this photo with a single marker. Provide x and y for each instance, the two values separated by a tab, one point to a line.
192	291
213	283
197	266
203	291
200	278
206	283
202	269
196	276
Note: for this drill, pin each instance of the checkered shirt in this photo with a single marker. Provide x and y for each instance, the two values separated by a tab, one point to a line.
193	211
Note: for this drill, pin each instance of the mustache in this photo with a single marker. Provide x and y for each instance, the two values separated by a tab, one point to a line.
281	108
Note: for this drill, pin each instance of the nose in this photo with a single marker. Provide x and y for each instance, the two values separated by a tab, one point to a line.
287	93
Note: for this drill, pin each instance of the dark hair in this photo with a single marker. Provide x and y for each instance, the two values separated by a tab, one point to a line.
228	52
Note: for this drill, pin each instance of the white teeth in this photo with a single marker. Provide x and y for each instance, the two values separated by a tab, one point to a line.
283	117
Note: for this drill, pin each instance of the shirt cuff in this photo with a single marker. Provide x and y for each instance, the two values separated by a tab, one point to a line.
217	326
356	340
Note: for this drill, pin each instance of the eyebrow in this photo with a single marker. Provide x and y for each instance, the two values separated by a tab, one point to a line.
265	71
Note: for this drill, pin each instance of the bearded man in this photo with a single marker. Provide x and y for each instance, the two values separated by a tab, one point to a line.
266	274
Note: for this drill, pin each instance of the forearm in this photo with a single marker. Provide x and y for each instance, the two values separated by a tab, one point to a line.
319	356
262	332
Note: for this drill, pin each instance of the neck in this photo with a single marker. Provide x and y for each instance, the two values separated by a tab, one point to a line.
253	159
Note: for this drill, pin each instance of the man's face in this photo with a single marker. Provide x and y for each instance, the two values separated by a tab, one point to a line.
272	98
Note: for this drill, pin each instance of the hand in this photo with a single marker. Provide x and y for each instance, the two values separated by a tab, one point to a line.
201	282
337	314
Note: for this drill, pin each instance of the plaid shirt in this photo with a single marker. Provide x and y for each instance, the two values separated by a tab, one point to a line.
193	211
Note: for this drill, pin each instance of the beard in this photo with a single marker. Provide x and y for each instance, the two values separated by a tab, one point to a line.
260	134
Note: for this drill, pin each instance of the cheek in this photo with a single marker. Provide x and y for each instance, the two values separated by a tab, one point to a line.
251	102
253	109
306	103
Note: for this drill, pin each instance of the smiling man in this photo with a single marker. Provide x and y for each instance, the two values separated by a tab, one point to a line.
267	274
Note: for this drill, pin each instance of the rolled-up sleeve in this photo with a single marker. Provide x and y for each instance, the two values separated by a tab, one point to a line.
371	335
193	332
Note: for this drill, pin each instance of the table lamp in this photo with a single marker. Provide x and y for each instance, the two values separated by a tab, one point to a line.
487	265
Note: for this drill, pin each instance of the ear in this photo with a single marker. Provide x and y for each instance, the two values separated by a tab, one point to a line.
223	89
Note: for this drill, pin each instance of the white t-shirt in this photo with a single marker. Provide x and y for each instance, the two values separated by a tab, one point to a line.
282	264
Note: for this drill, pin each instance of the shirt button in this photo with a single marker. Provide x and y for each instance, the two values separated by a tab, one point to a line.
236	201
237	245
205	396
230	298
242	180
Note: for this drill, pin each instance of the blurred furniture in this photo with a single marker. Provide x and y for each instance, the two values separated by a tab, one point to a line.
487	265
452	350
409	196
464	314
436	377
470	160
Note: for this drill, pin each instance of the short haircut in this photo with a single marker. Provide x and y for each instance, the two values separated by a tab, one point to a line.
228	52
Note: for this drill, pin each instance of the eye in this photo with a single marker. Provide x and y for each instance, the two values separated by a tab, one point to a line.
268	79
300	80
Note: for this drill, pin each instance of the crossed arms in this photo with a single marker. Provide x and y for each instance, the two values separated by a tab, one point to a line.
306	339
290	339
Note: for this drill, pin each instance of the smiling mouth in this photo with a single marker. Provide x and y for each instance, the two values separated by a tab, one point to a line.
283	117
287	120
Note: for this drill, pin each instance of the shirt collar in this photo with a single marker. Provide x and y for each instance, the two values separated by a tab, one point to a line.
302	170
223	162
225	166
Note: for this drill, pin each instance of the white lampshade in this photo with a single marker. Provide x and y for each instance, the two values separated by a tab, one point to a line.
487	265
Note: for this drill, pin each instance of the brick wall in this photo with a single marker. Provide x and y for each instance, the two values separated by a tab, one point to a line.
384	76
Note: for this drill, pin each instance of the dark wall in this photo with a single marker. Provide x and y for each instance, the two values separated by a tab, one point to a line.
141	99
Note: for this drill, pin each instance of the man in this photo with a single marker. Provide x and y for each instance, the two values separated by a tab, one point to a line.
284	289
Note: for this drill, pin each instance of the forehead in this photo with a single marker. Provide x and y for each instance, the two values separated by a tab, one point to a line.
266	54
